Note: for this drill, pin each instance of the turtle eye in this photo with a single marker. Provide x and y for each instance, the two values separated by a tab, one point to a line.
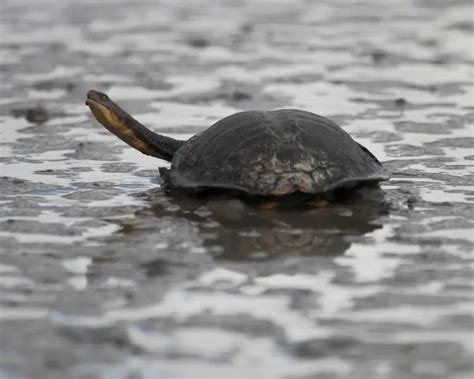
104	97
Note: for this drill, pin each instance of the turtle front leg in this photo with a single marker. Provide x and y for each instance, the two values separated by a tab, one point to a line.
165	181
318	203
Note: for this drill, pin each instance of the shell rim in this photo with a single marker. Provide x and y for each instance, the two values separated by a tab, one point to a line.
346	183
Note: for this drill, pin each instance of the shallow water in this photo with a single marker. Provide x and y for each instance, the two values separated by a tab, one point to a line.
103	276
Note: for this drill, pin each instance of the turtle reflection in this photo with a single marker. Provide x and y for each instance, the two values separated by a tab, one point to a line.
234	230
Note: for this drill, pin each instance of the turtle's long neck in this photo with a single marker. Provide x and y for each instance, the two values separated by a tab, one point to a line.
146	141
129	130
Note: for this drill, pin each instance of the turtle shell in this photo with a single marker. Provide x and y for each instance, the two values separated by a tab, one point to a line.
274	153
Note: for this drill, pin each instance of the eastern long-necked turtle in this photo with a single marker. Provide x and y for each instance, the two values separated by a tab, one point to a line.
258	153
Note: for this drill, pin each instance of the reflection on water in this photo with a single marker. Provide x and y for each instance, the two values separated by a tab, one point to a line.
234	230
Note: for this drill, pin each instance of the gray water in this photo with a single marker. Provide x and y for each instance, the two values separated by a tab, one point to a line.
104	276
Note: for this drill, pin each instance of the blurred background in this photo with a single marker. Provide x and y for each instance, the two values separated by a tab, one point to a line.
102	276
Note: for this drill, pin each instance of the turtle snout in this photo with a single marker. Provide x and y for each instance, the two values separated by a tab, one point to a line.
90	95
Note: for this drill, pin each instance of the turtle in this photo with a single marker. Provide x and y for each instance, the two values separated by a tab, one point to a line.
273	154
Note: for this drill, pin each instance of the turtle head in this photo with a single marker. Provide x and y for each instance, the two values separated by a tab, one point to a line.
105	110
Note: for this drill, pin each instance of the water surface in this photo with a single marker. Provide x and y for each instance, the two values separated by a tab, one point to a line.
103	276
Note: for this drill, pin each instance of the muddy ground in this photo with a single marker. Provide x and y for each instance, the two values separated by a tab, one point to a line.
103	276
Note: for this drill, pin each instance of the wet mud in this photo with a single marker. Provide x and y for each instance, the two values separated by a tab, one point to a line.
104	276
